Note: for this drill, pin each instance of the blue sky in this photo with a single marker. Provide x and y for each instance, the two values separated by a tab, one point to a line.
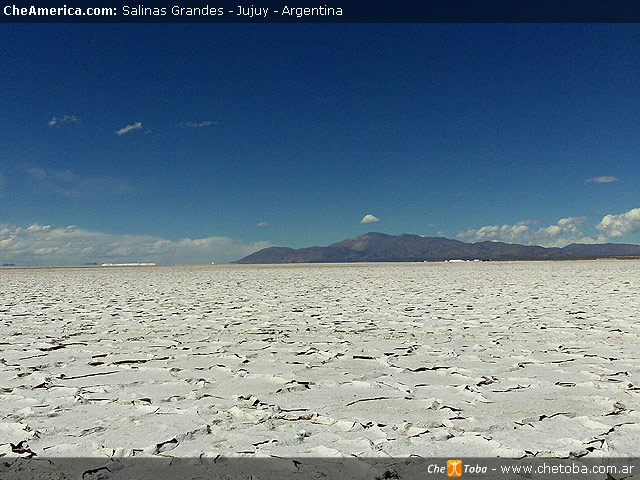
205	142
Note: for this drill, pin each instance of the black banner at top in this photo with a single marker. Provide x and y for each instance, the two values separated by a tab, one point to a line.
321	11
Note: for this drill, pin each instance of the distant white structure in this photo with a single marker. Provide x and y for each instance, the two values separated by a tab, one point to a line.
141	264
457	260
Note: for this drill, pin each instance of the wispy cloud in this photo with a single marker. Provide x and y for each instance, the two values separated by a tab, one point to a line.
71	184
605	179
129	128
616	226
200	124
36	173
64	120
530	221
564	232
369	219
264	224
45	245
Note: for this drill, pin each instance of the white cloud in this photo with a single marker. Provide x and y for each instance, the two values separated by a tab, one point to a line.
129	128
38	228
564	232
264	224
200	124
64	120
530	221
605	179
71	184
369	219
615	226
45	245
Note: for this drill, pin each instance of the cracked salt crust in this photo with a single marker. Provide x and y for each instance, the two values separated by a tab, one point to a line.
488	359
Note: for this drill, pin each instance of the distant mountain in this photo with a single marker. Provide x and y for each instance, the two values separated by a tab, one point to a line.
379	247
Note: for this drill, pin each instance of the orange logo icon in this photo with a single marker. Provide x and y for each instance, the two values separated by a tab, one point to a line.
454	468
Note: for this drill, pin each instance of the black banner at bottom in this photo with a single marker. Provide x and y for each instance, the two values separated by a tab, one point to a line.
161	468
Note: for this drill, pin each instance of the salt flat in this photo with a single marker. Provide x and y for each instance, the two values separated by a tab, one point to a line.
372	360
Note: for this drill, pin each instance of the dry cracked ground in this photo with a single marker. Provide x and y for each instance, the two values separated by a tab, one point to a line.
499	359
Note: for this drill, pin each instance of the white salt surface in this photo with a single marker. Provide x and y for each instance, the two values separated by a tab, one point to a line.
371	360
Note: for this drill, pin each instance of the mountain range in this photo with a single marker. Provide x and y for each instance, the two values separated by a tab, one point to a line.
379	247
